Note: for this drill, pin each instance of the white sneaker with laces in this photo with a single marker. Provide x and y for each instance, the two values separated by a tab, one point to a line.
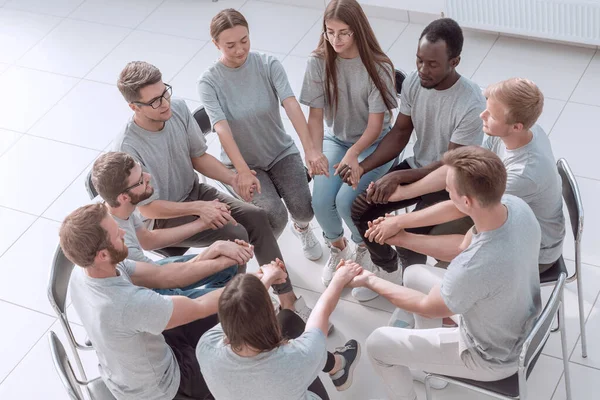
310	245
335	257
363	258
303	311
365	294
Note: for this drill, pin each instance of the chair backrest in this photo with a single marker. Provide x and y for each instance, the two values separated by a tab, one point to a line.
400	77
538	336
202	119
89	186
64	368
572	196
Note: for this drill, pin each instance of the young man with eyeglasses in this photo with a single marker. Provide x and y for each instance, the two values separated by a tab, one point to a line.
168	143
442	107
122	184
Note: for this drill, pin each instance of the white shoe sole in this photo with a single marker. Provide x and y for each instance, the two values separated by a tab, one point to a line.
348	382
363	299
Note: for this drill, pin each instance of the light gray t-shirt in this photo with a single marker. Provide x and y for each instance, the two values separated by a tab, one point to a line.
125	323
441	117
282	373
130	226
532	175
167	154
357	96
248	98
495	286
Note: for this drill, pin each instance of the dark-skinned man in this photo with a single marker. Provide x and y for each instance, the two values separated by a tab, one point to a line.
443	108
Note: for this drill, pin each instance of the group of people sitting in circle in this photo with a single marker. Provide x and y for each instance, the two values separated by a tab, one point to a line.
488	210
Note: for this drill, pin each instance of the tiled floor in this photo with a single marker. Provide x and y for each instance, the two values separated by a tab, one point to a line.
59	61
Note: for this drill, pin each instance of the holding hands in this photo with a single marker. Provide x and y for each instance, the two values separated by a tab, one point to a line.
214	214
380	192
349	169
246	184
383	228
345	272
317	163
238	250
273	273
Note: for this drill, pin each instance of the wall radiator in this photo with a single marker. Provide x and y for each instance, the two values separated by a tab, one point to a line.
564	20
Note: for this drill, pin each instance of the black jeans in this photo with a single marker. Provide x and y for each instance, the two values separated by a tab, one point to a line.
292	326
384	255
183	340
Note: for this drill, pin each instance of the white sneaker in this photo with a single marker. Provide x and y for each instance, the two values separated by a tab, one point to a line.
310	245
365	294
303	311
363	258
335	257
401	319
435	383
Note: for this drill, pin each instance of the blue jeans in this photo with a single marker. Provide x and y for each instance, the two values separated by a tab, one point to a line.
332	199
203	286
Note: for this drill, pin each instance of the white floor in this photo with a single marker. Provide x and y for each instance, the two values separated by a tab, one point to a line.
59	108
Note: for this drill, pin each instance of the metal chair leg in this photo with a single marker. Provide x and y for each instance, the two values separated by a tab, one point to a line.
565	355
583	337
557	323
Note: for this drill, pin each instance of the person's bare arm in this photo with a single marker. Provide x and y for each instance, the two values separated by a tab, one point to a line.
391	145
441	247
186	310
319	317
429	305
315	159
212	168
177	275
247	180
160	238
432	182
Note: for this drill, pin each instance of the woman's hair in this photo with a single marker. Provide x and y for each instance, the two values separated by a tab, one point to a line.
226	19
247	315
350	13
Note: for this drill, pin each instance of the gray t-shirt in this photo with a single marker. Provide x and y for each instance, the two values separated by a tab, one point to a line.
282	373
167	154
532	175
495	286
357	96
130	226
125	323
441	117
248	98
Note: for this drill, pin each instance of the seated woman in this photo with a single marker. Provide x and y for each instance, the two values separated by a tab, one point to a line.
254	354
242	94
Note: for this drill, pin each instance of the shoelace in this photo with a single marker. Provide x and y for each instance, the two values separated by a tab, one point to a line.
307	238
344	348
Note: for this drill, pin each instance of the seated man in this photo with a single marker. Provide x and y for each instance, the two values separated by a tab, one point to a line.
166	140
122	184
513	107
493	285
145	341
443	108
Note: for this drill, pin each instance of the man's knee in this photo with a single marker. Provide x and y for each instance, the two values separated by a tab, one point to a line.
232	232
378	344
411	276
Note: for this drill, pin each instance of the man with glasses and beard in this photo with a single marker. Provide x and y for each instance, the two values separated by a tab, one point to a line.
145	341
442	107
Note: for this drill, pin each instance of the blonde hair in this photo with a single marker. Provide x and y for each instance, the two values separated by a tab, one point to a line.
135	76
480	174
523	99
226	19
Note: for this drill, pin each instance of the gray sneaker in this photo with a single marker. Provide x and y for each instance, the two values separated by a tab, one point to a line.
310	245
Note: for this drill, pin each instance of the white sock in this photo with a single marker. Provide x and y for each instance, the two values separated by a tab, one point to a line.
301	227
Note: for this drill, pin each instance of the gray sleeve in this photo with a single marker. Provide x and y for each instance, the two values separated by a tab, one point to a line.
406	99
279	80
147	311
128	267
313	90
136	219
195	136
461	290
376	103
519	185
210	101
470	128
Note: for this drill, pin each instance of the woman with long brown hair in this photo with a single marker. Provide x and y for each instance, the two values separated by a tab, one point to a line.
254	354
349	83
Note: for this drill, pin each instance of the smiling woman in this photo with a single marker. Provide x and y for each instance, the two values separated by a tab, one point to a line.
241	94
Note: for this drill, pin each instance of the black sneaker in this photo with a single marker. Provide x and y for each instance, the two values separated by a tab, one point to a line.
351	353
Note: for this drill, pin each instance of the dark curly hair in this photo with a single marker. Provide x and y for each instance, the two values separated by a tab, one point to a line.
449	31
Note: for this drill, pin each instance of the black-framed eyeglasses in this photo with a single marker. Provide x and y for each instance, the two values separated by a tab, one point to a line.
157	101
140	183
